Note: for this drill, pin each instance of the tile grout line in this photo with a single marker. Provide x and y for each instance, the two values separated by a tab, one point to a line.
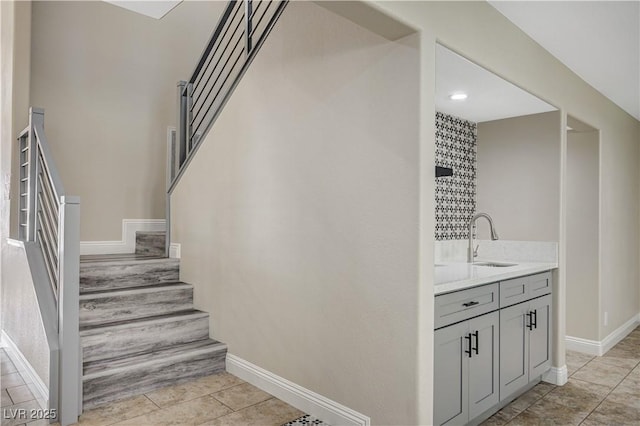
187	400
230	387
10	399
152	401
611	391
586	381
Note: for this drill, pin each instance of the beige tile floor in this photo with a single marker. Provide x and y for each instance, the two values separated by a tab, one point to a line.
16	394
601	391
221	399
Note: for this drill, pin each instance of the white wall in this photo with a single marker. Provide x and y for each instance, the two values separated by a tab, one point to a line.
298	217
106	78
583	283
518	176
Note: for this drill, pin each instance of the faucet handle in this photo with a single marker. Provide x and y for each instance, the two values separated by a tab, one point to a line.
475	252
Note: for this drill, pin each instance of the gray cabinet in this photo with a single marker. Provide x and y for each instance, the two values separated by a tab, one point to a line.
525	343
521	289
466	374
540	337
490	342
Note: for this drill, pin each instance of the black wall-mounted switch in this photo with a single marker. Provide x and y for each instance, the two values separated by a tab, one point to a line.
443	171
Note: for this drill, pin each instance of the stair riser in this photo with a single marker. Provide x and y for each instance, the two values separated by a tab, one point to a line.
133	305
100	345
108	276
121	385
151	243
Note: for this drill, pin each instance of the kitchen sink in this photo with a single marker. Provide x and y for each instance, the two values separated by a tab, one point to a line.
495	264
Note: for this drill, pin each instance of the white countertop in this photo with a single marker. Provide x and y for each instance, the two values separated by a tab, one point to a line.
452	276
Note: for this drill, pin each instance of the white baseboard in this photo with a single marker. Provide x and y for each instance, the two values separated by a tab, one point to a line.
174	251
128	242
556	376
599	348
34	382
303	399
590	347
620	333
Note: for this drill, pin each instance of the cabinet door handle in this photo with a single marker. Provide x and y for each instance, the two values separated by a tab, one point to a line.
530	317
472	303
475	334
535	319
468	339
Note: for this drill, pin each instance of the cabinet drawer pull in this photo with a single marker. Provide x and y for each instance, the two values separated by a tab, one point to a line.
475	334
470	303
534	318
468	339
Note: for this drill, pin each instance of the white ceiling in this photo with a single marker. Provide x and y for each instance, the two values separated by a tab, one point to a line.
490	97
598	40
153	9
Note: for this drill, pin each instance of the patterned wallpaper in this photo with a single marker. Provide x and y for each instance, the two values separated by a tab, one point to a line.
455	195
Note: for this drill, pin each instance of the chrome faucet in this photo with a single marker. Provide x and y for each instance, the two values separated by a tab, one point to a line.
494	235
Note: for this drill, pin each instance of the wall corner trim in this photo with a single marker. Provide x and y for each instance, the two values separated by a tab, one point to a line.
174	250
556	376
36	385
128	242
303	399
599	348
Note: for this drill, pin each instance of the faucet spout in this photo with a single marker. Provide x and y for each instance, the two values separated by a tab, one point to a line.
494	234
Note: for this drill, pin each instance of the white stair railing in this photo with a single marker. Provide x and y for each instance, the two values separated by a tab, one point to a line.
50	220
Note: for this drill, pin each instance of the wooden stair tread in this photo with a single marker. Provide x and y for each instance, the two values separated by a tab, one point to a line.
119	364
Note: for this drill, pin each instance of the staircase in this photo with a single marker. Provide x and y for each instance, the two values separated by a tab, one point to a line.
138	328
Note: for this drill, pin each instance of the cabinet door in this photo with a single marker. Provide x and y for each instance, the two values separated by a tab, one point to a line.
483	366
450	397
540	337
514	349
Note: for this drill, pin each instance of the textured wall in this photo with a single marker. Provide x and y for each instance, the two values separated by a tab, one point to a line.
455	195
21	318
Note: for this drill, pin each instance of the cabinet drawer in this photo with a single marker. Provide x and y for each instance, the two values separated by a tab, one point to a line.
522	289
540	284
461	305
514	291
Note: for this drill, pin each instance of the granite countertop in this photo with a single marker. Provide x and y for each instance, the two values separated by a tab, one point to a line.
452	276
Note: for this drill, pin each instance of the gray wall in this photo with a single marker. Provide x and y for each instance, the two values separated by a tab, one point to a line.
301	241
107	80
518	177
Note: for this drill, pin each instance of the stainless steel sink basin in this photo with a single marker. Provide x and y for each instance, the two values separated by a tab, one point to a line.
495	264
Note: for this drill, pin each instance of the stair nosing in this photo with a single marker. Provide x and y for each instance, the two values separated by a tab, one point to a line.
180	316
99	289
214	347
128	261
134	290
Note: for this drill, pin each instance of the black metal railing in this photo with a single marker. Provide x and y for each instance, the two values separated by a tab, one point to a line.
239	34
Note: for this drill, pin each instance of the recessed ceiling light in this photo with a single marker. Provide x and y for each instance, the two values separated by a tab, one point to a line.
458	96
